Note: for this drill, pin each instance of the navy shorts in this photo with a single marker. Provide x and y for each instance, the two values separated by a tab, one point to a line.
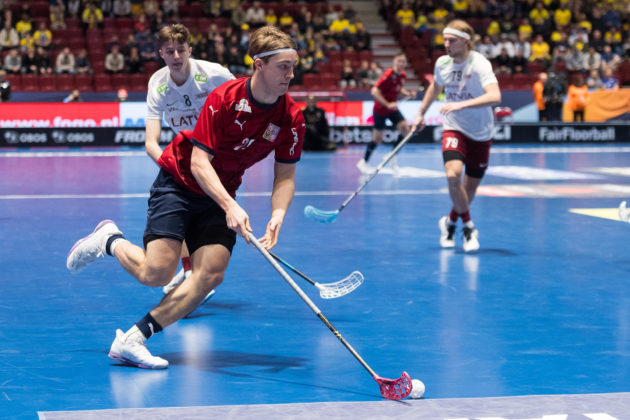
176	213
395	117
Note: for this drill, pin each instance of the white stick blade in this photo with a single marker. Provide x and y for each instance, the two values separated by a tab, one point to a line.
624	213
341	287
321	216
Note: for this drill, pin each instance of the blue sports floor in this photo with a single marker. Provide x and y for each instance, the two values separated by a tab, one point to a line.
542	309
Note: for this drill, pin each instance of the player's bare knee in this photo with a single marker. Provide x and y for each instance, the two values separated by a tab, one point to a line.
210	280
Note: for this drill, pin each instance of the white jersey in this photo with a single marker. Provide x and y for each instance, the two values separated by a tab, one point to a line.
462	82
180	106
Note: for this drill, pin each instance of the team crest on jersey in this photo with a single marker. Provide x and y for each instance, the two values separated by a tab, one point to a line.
162	88
201	78
271	132
243	106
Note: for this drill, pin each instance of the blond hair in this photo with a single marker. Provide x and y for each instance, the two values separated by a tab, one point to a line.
463	26
269	38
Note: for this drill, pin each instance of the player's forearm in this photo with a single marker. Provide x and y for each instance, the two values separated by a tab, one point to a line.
283	189
152	139
376	93
430	95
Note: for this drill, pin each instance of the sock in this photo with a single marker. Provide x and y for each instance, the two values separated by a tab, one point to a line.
453	216
465	217
148	326
368	151
112	241
469	224
186	263
134	334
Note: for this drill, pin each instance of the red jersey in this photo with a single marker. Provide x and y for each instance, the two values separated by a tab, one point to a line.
238	131
390	85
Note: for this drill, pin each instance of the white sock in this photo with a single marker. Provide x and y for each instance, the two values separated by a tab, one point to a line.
134	334
114	243
469	224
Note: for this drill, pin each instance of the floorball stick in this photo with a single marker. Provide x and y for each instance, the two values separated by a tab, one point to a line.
329	216
328	290
393	389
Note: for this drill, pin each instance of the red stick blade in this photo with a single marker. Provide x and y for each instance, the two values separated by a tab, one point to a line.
395	389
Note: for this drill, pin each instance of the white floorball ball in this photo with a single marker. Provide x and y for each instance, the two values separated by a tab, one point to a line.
417	389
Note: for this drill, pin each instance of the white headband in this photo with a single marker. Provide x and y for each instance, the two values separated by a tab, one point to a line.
456	32
272	52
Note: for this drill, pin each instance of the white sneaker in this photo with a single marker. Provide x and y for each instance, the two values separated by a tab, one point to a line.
134	353
362	166
447	233
471	241
624	213
87	250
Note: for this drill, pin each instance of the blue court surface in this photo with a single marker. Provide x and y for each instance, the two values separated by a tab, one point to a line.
536	324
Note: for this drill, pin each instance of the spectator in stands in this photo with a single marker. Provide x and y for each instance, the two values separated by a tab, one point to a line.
148	51
114	61
122	95
363	74
285	21
578	38
30	62
234	60
43	36
330	15
137	7
594	81
609	81
486	47
525	29
73	8
577	98
362	39
611	16
493	9
141	26
461	8
255	15
538	90
597	41
339	26
121	8
171	8
540	51
238	17
65	62
9	38
559	57
575	60
524	46
92	17
597	21
592	59
347	77
610	59
150	8
540	19
56	11
13	62
317	130
271	18
562	16
25	24
375	73
82	63
505	43
519	63
613	38
26	41
405	16
44	62
503	63
74	96
5	87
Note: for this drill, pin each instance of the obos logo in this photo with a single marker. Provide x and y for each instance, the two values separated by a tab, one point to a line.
11	137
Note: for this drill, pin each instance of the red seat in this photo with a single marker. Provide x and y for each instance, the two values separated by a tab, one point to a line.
138	82
120	81
310	79
65	82
151	67
103	83
30	83
83	82
47	83
16	82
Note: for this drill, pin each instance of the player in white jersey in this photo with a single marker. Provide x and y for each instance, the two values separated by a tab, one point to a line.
176	94
470	91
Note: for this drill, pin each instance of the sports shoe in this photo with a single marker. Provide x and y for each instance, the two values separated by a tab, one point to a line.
362	166
134	353
447	231
179	279
87	250
624	213
471	243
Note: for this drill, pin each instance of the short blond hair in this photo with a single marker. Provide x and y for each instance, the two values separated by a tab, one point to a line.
269	38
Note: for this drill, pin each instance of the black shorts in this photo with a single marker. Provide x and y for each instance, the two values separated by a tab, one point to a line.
177	213
379	120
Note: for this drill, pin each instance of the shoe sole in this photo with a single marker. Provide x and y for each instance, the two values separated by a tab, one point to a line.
80	241
128	362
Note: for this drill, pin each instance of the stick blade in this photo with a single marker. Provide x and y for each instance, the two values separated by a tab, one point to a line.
395	389
624	213
341	287
321	216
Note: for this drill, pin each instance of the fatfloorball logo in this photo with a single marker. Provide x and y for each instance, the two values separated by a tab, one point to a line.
58	136
11	137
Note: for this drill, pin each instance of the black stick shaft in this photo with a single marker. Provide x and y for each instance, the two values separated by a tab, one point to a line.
290	267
